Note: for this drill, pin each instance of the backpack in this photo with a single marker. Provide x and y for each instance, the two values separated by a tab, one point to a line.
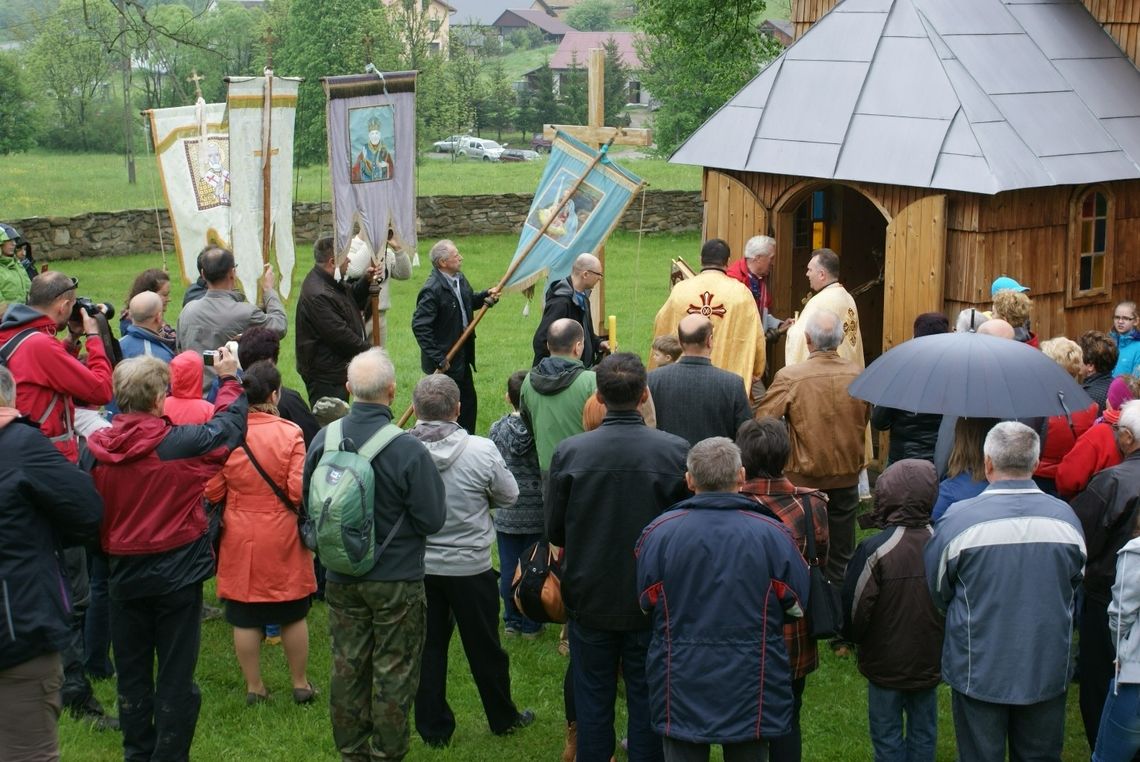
537	585
340	520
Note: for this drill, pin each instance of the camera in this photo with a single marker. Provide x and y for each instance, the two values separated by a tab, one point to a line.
208	357
93	309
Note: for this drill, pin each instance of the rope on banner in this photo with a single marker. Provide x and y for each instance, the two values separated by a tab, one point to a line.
637	256
154	198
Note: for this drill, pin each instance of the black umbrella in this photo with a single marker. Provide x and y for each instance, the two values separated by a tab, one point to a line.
970	375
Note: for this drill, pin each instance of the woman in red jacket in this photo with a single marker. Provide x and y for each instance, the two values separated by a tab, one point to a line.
1062	431
1096	449
265	575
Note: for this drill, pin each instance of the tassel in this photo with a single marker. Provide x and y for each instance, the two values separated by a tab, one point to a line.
526	309
415	259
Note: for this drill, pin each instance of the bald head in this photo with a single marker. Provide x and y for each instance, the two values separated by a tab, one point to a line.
564	338
695	334
586	272
146	310
996	327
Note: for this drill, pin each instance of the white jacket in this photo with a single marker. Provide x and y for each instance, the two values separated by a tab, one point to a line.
1123	612
476	480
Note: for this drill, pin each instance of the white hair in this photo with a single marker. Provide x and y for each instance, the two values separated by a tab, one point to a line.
760	246
441	251
969	319
371	374
1130	418
825	330
1013	448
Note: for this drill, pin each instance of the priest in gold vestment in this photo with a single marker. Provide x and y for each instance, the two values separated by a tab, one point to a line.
738	337
823	276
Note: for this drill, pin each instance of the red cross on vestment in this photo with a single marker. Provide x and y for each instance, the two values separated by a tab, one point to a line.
706	307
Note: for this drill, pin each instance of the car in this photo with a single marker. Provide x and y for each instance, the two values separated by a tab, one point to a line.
448	144
478	148
518	154
539	143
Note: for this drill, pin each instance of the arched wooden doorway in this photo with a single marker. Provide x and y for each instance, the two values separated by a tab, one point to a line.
731	212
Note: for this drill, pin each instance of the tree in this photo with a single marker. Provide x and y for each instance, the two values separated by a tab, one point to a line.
692	74
73	68
616	86
573	93
592	16
318	39
17	128
499	103
542	103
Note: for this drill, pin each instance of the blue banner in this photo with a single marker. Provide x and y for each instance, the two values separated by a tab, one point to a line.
584	223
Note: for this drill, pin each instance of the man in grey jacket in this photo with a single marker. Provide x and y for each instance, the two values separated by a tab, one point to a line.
462	588
1005	567
221	315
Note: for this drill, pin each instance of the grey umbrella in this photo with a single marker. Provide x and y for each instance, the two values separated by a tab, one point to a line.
969	375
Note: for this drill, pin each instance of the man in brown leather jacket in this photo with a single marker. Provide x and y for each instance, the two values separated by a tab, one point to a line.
826	426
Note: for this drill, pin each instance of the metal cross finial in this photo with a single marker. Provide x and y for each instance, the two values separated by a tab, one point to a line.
196	78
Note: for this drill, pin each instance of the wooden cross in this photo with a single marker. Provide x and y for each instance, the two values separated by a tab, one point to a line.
596	134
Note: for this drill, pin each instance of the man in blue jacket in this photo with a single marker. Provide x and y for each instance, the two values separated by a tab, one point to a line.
1005	566
719	576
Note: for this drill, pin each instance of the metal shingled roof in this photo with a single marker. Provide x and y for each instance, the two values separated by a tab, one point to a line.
982	96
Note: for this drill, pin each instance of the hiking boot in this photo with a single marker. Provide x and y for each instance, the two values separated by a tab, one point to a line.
92	712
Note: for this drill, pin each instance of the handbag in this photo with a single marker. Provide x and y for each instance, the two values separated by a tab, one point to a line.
295	510
537	585
825	606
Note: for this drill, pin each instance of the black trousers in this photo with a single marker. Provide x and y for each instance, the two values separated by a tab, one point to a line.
317	389
472	603
464	377
789	748
1094	667
158	713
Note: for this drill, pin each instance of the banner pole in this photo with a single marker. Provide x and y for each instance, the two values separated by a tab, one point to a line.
515	266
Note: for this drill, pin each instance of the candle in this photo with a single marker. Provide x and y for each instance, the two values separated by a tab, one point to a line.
613	333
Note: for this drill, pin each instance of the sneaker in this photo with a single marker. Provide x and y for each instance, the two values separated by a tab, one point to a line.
92	712
532	635
511	631
524	719
210	613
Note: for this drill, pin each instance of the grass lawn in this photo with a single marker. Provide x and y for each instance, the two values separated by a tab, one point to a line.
834	715
42	184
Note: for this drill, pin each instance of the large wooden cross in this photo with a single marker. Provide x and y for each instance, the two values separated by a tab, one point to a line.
596	134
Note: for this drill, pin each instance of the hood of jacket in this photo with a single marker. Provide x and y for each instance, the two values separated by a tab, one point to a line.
553	374
905	494
445	441
131	437
521	440
186	371
21	316
1124	339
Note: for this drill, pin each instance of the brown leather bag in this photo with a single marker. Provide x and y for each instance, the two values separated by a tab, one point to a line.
537	585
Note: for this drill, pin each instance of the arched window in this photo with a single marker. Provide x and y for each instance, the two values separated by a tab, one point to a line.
1091	236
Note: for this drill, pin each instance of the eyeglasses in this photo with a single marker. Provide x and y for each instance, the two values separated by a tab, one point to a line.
1124	318
74	284
594	272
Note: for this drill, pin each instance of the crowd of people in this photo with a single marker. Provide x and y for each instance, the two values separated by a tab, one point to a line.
705	509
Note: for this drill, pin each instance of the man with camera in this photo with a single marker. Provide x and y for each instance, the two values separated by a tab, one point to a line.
49	381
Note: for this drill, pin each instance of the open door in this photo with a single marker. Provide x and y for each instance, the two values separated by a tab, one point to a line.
732	212
915	267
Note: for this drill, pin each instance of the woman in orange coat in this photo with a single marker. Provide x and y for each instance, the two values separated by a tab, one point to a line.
265	574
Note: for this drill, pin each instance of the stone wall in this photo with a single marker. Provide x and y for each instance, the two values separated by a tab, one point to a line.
138	230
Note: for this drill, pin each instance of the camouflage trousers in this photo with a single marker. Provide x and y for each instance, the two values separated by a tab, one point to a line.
377	634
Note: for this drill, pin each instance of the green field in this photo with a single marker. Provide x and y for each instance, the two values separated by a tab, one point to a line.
834	716
41	184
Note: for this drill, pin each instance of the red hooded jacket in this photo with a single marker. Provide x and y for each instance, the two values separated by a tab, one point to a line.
185	405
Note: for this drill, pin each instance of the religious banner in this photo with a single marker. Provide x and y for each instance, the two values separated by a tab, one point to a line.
583	223
261	111
192	149
371	120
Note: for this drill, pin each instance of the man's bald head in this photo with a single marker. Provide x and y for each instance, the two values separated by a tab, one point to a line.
996	327
146	309
695	334
587	261
585	272
564	336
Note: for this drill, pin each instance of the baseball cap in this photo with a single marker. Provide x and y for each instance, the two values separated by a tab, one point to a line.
1006	283
8	233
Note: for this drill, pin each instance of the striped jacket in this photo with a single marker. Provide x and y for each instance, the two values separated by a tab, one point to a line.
1005	567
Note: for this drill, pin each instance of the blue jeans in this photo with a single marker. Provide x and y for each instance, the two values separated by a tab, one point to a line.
594	659
984	731
1119	735
511	546
885	709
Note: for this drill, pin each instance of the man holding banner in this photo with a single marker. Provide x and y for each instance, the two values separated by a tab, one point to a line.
444	308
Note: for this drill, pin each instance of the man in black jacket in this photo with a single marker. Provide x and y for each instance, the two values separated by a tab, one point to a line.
330	330
605	486
45	501
570	298
444	307
1107	510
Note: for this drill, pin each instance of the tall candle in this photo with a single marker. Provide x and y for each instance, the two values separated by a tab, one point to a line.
613	333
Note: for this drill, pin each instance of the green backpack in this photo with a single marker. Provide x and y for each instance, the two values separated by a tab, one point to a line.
340	518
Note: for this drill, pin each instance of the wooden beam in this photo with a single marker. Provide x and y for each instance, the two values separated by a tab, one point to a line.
622	136
596	74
